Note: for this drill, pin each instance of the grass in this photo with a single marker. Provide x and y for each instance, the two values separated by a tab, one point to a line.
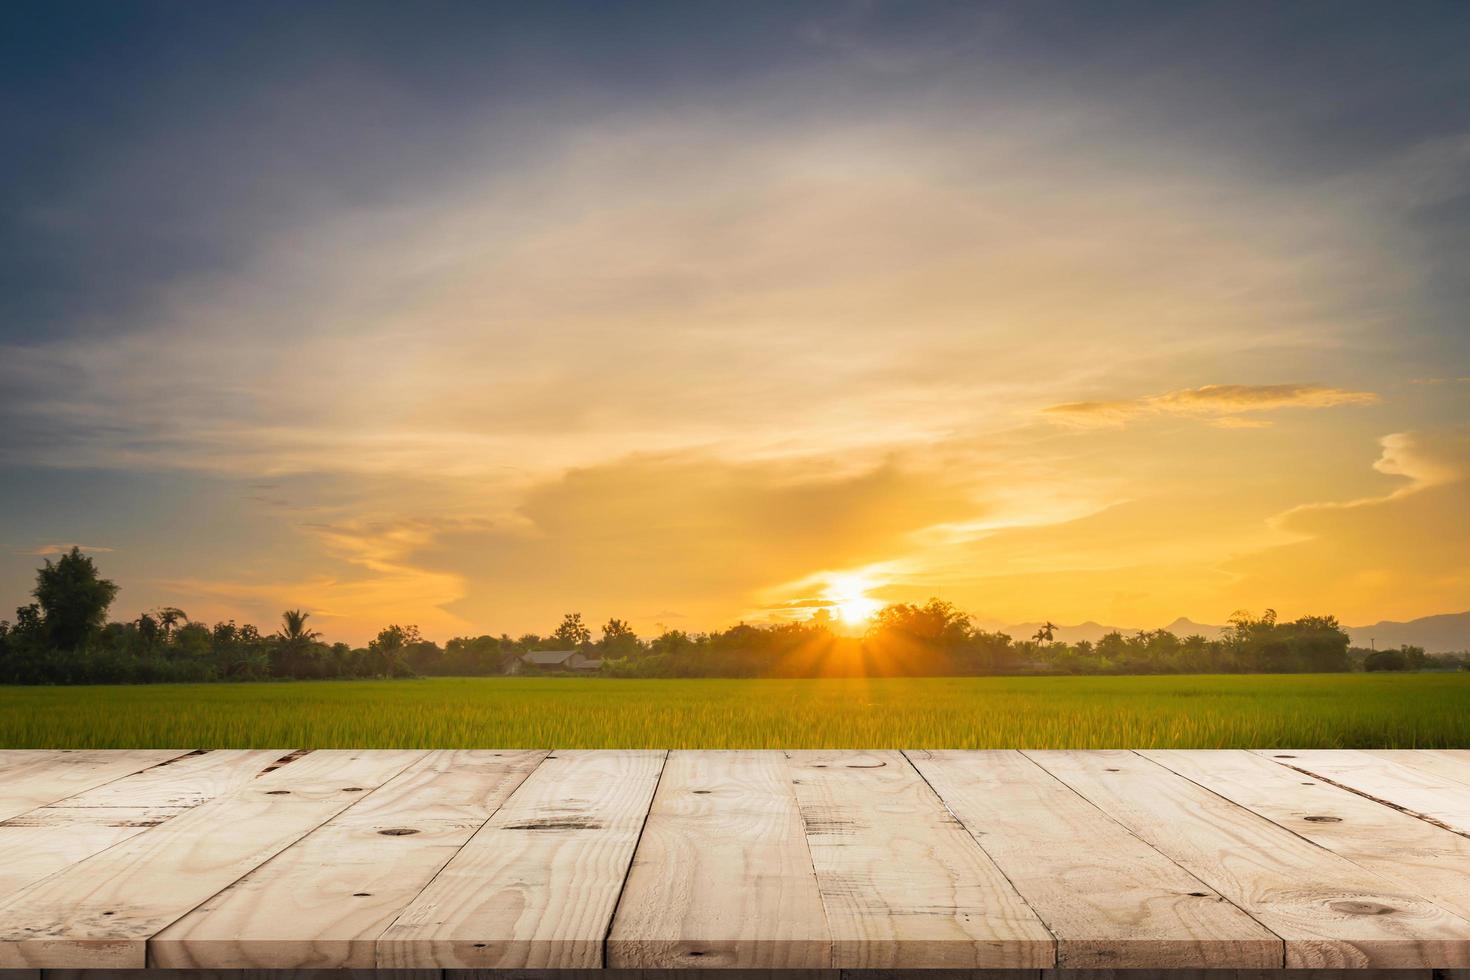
1302	711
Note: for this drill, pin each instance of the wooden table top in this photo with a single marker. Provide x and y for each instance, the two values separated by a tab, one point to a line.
800	860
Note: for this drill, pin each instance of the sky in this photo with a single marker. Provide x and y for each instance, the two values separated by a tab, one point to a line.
468	315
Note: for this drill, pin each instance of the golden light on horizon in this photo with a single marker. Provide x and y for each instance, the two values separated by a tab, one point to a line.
850	600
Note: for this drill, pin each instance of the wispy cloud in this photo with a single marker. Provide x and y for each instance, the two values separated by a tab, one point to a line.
1220	405
1399	552
61	549
638	357
382	581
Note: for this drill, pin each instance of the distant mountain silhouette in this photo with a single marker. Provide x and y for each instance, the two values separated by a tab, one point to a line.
1445	633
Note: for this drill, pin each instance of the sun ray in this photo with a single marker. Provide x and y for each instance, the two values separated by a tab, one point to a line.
849	599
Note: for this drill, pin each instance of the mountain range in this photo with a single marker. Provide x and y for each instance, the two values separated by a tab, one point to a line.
1444	633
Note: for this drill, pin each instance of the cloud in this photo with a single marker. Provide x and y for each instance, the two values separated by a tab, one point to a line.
691	360
1395	555
61	549
382	582
1219	405
1424	459
688	532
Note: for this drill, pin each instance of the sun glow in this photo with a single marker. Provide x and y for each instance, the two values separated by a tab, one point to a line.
850	601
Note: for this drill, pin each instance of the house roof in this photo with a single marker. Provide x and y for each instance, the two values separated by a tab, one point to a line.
548	658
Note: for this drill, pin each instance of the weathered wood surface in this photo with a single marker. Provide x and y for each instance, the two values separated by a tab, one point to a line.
643	864
48	839
902	881
537	885
101	911
1413	854
324	903
29	780
1423	791
1112	901
1330	912
723	875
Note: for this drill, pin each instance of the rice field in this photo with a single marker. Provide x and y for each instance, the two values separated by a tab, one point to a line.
1266	711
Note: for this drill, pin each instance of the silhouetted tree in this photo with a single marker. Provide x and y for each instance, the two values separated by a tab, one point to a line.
169	617
572	632
618	640
296	652
73	599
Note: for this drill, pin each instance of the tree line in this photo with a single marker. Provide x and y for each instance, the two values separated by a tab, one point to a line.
65	637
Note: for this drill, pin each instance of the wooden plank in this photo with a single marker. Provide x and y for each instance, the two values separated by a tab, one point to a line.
1237	975
536	886
1452	764
309	974
1110	899
1424	794
950	975
48	839
99	912
184	782
673	974
305	974
722	876
324	902
904	884
1413	854
34	780
1330	912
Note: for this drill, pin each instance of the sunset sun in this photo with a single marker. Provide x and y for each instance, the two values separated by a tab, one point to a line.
850	601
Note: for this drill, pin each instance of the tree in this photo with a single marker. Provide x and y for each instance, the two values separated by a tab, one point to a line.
618	639
1046	633
936	623
385	653
73	598
572	632
168	617
1386	660
1317	643
293	627
296	650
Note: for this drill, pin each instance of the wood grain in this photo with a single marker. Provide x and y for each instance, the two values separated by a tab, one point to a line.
1413	854
1330	912
1414	790
1452	764
49	839
537	885
1242	975
1111	900
324	902
723	876
151	974
100	912
903	883
28	781
847	860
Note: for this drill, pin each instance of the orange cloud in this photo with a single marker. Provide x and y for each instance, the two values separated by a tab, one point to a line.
1218	404
1400	554
61	549
381	584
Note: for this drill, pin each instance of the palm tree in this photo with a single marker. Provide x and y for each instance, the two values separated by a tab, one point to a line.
296	647
1046	633
293	627
168	617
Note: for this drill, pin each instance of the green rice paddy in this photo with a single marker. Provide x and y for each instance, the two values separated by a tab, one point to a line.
1264	711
